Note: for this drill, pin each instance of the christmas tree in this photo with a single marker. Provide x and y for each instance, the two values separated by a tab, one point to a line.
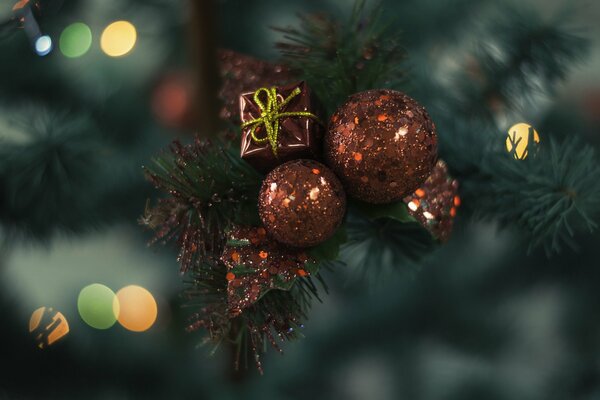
412	213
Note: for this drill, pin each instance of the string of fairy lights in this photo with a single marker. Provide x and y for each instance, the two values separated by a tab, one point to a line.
133	306
116	40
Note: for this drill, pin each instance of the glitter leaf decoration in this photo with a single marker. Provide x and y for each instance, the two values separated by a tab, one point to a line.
257	264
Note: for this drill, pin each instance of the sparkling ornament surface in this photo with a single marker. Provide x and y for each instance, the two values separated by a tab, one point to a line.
301	203
240	74
255	263
521	138
435	203
382	144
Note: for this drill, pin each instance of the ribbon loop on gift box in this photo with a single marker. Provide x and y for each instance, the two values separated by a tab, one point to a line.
270	114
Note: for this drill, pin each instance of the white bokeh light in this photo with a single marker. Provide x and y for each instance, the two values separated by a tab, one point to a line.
43	45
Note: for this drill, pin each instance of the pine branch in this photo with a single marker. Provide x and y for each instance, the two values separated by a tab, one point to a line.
210	188
48	165
523	56
380	246
552	195
342	58
279	314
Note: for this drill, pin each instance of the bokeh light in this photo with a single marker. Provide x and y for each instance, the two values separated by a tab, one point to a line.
43	45
75	40
97	306
47	326
118	38
138	309
521	138
171	100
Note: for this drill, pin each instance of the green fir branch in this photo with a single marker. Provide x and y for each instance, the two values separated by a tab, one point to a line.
210	189
339	58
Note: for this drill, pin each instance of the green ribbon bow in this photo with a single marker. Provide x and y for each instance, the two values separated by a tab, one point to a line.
270	114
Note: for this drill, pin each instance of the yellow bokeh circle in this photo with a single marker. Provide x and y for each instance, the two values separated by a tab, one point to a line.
118	38
137	308
521	138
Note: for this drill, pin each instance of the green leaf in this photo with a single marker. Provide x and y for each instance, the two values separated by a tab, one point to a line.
280	284
243	270
397	211
238	243
330	249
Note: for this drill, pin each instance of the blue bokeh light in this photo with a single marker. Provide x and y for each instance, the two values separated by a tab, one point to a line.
43	45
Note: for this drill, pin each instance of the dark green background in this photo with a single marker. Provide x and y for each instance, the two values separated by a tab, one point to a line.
483	319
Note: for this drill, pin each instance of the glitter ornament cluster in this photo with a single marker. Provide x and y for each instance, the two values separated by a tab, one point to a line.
435	203
301	203
253	244
382	144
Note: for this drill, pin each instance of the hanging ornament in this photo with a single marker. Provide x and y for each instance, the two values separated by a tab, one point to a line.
256	264
382	144
434	204
279	125
301	203
521	139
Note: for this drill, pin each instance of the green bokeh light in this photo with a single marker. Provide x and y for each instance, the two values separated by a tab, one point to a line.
75	40
97	306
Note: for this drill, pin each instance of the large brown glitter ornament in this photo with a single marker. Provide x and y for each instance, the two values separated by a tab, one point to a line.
255	264
382	144
434	204
301	203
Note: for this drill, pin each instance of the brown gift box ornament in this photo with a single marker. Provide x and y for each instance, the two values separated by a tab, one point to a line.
278	125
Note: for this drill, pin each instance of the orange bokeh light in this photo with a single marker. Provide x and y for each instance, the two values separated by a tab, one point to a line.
138	309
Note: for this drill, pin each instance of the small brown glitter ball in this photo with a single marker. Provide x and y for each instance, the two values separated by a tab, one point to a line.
301	203
382	144
434	204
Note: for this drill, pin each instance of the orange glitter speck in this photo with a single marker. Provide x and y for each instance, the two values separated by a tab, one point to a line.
230	276
286	202
364	179
382	117
335	118
20	4
420	192
453	212
357	156
384	97
356	120
235	256
302	272
456	201
263	254
316	171
341	148
261	231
